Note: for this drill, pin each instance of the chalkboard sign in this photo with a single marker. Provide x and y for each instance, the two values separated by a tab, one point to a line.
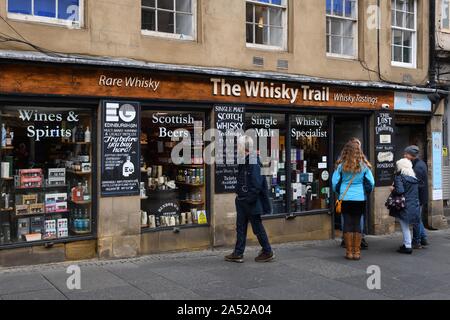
228	121
384	148
121	124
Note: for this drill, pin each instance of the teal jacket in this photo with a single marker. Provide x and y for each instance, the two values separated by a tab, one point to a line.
356	190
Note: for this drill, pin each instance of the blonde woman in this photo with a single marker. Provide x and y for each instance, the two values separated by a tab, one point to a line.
406	184
348	183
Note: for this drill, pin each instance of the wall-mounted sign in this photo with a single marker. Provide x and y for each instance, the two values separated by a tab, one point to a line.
120	174
408	101
229	120
384	148
437	166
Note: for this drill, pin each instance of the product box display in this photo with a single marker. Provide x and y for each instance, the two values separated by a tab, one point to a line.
50	229
56	202
56	177
30	178
37	224
23	228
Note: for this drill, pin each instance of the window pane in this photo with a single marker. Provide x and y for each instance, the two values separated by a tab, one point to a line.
410	23
338	7
165	21
165	4
184	6
276	36
407	39
409	5
336	45
350	9
19	6
329	11
397	54
348	47
148	19
348	28
45	8
445	14
400	19
328	44
249	28
249	12
276	17
407	55
261	34
261	15
278	2
148	3
184	24
69	9
397	37
309	136
336	27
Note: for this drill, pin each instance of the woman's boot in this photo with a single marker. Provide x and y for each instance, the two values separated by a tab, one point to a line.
357	246
348	239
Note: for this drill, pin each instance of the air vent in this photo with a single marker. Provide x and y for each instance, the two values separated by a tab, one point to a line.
258	61
282	64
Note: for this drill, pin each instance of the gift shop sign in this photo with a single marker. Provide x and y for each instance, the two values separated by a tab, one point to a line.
120	148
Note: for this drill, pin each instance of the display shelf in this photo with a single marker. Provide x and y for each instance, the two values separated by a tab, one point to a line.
79	173
80	202
7	179
6	209
193	185
144	198
6	148
40	214
193	202
77	143
80	232
191	165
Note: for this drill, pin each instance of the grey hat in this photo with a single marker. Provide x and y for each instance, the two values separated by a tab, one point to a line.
413	150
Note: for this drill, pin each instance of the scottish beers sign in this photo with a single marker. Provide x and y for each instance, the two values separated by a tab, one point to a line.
120	148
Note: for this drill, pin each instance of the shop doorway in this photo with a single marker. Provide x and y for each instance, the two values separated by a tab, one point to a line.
346	128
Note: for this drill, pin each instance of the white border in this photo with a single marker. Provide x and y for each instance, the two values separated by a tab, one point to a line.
413	64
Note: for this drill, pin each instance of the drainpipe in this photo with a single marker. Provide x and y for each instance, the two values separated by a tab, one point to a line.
432	54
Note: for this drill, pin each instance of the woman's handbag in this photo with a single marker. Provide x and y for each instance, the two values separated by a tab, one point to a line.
338	204
395	202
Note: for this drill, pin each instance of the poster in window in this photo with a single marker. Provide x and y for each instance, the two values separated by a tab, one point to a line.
120	174
229	121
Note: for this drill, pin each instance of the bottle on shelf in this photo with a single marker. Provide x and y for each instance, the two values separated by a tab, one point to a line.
86	193
86	220
3	135
74	134
87	135
9	137
77	193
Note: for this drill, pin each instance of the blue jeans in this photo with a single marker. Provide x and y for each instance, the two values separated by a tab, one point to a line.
419	233
244	216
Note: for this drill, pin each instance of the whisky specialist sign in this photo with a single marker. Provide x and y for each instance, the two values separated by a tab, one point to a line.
120	174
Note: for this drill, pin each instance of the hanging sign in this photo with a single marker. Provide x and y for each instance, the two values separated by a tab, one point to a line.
120	174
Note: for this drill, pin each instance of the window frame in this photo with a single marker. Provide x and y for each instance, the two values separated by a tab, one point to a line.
47	20
445	29
284	21
413	63
355	34
173	36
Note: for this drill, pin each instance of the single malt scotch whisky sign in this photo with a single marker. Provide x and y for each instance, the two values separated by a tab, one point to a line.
120	148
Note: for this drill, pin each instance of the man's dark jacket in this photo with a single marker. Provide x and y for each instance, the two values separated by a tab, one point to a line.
252	188
421	171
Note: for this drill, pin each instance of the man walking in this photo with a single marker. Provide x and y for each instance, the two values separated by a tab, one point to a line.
420	168
252	201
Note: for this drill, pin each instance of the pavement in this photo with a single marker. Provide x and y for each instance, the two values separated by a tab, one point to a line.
306	270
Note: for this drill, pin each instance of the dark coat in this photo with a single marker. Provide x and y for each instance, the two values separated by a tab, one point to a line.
252	190
409	187
421	170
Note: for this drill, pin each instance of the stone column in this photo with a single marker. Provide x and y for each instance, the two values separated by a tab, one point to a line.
435	218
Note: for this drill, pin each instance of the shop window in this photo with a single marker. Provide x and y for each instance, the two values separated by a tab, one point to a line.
404	33
266	23
342	20
46	177
445	15
270	127
48	11
309	159
173	191
171	18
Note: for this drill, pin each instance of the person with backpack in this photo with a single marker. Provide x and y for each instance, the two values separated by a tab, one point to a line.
352	180
252	201
404	203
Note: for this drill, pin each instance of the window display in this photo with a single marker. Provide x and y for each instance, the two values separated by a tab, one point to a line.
310	173
172	194
46	180
269	126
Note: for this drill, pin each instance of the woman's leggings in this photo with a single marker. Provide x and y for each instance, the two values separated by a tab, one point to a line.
352	223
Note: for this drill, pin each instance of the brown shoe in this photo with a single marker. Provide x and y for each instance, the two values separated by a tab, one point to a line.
265	257
234	258
357	237
348	239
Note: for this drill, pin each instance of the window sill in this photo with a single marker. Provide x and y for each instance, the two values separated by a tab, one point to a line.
297	214
264	47
403	65
167	36
180	228
45	21
341	57
24	244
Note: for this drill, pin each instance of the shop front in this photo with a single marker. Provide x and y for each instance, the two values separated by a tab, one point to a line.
113	162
